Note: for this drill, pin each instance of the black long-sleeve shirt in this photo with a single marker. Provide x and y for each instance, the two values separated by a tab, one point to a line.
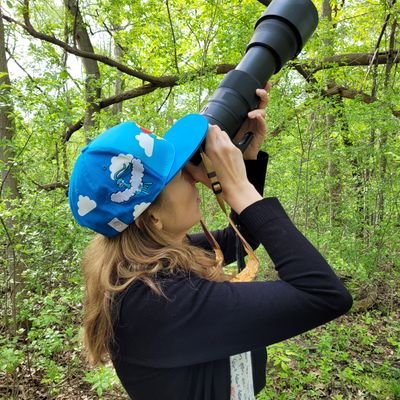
177	347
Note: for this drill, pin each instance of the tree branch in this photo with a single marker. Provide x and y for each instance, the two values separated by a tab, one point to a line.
305	73
143	90
335	90
173	36
130	94
350	60
84	54
265	2
349	94
52	186
71	129
223	69
306	67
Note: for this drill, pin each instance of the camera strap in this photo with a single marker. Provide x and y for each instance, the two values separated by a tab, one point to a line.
250	270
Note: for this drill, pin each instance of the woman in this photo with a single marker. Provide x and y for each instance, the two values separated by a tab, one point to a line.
157	301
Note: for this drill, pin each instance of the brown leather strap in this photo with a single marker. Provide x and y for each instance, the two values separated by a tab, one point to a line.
219	257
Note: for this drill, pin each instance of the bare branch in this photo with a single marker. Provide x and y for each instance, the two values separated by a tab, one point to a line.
173	36
349	94
344	60
52	186
351	60
130	94
30	77
71	129
305	73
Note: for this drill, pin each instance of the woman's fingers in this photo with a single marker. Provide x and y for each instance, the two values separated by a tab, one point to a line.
217	140
257	113
263	94
225	156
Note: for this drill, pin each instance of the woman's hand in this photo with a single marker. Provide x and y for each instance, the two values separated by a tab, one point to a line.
227	161
255	123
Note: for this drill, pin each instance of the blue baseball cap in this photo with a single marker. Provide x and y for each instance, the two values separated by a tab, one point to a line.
123	170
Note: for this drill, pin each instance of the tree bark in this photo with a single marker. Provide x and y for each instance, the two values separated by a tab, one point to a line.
119	87
92	81
7	127
9	187
330	121
384	135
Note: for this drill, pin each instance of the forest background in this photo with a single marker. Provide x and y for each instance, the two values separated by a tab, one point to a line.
71	68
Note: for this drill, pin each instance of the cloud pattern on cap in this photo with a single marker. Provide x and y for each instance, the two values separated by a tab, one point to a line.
127	172
146	142
139	208
85	205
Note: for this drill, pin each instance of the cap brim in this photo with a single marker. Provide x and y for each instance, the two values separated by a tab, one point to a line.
186	135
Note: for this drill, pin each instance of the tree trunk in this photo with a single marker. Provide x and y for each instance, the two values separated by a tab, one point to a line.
117	107
384	135
9	188
92	82
330	121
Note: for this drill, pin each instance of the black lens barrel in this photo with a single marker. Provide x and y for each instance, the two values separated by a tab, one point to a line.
279	36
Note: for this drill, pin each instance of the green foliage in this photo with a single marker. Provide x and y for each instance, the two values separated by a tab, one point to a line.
336	361
102	379
10	356
334	163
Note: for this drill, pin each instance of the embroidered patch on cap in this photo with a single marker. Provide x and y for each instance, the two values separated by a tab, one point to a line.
118	225
127	172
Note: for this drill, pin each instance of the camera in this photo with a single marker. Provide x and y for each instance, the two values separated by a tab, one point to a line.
279	35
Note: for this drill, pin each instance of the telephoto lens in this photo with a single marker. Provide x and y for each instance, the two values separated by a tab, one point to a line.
279	36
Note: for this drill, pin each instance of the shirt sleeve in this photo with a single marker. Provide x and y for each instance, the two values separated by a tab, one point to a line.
256	172
198	320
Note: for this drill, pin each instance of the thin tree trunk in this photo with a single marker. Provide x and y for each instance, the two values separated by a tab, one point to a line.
9	188
330	121
117	107
384	135
374	217
92	85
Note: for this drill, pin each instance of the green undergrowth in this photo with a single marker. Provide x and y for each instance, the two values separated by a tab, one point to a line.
355	357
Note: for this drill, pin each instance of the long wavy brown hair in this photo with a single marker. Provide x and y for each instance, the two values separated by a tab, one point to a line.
110	265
